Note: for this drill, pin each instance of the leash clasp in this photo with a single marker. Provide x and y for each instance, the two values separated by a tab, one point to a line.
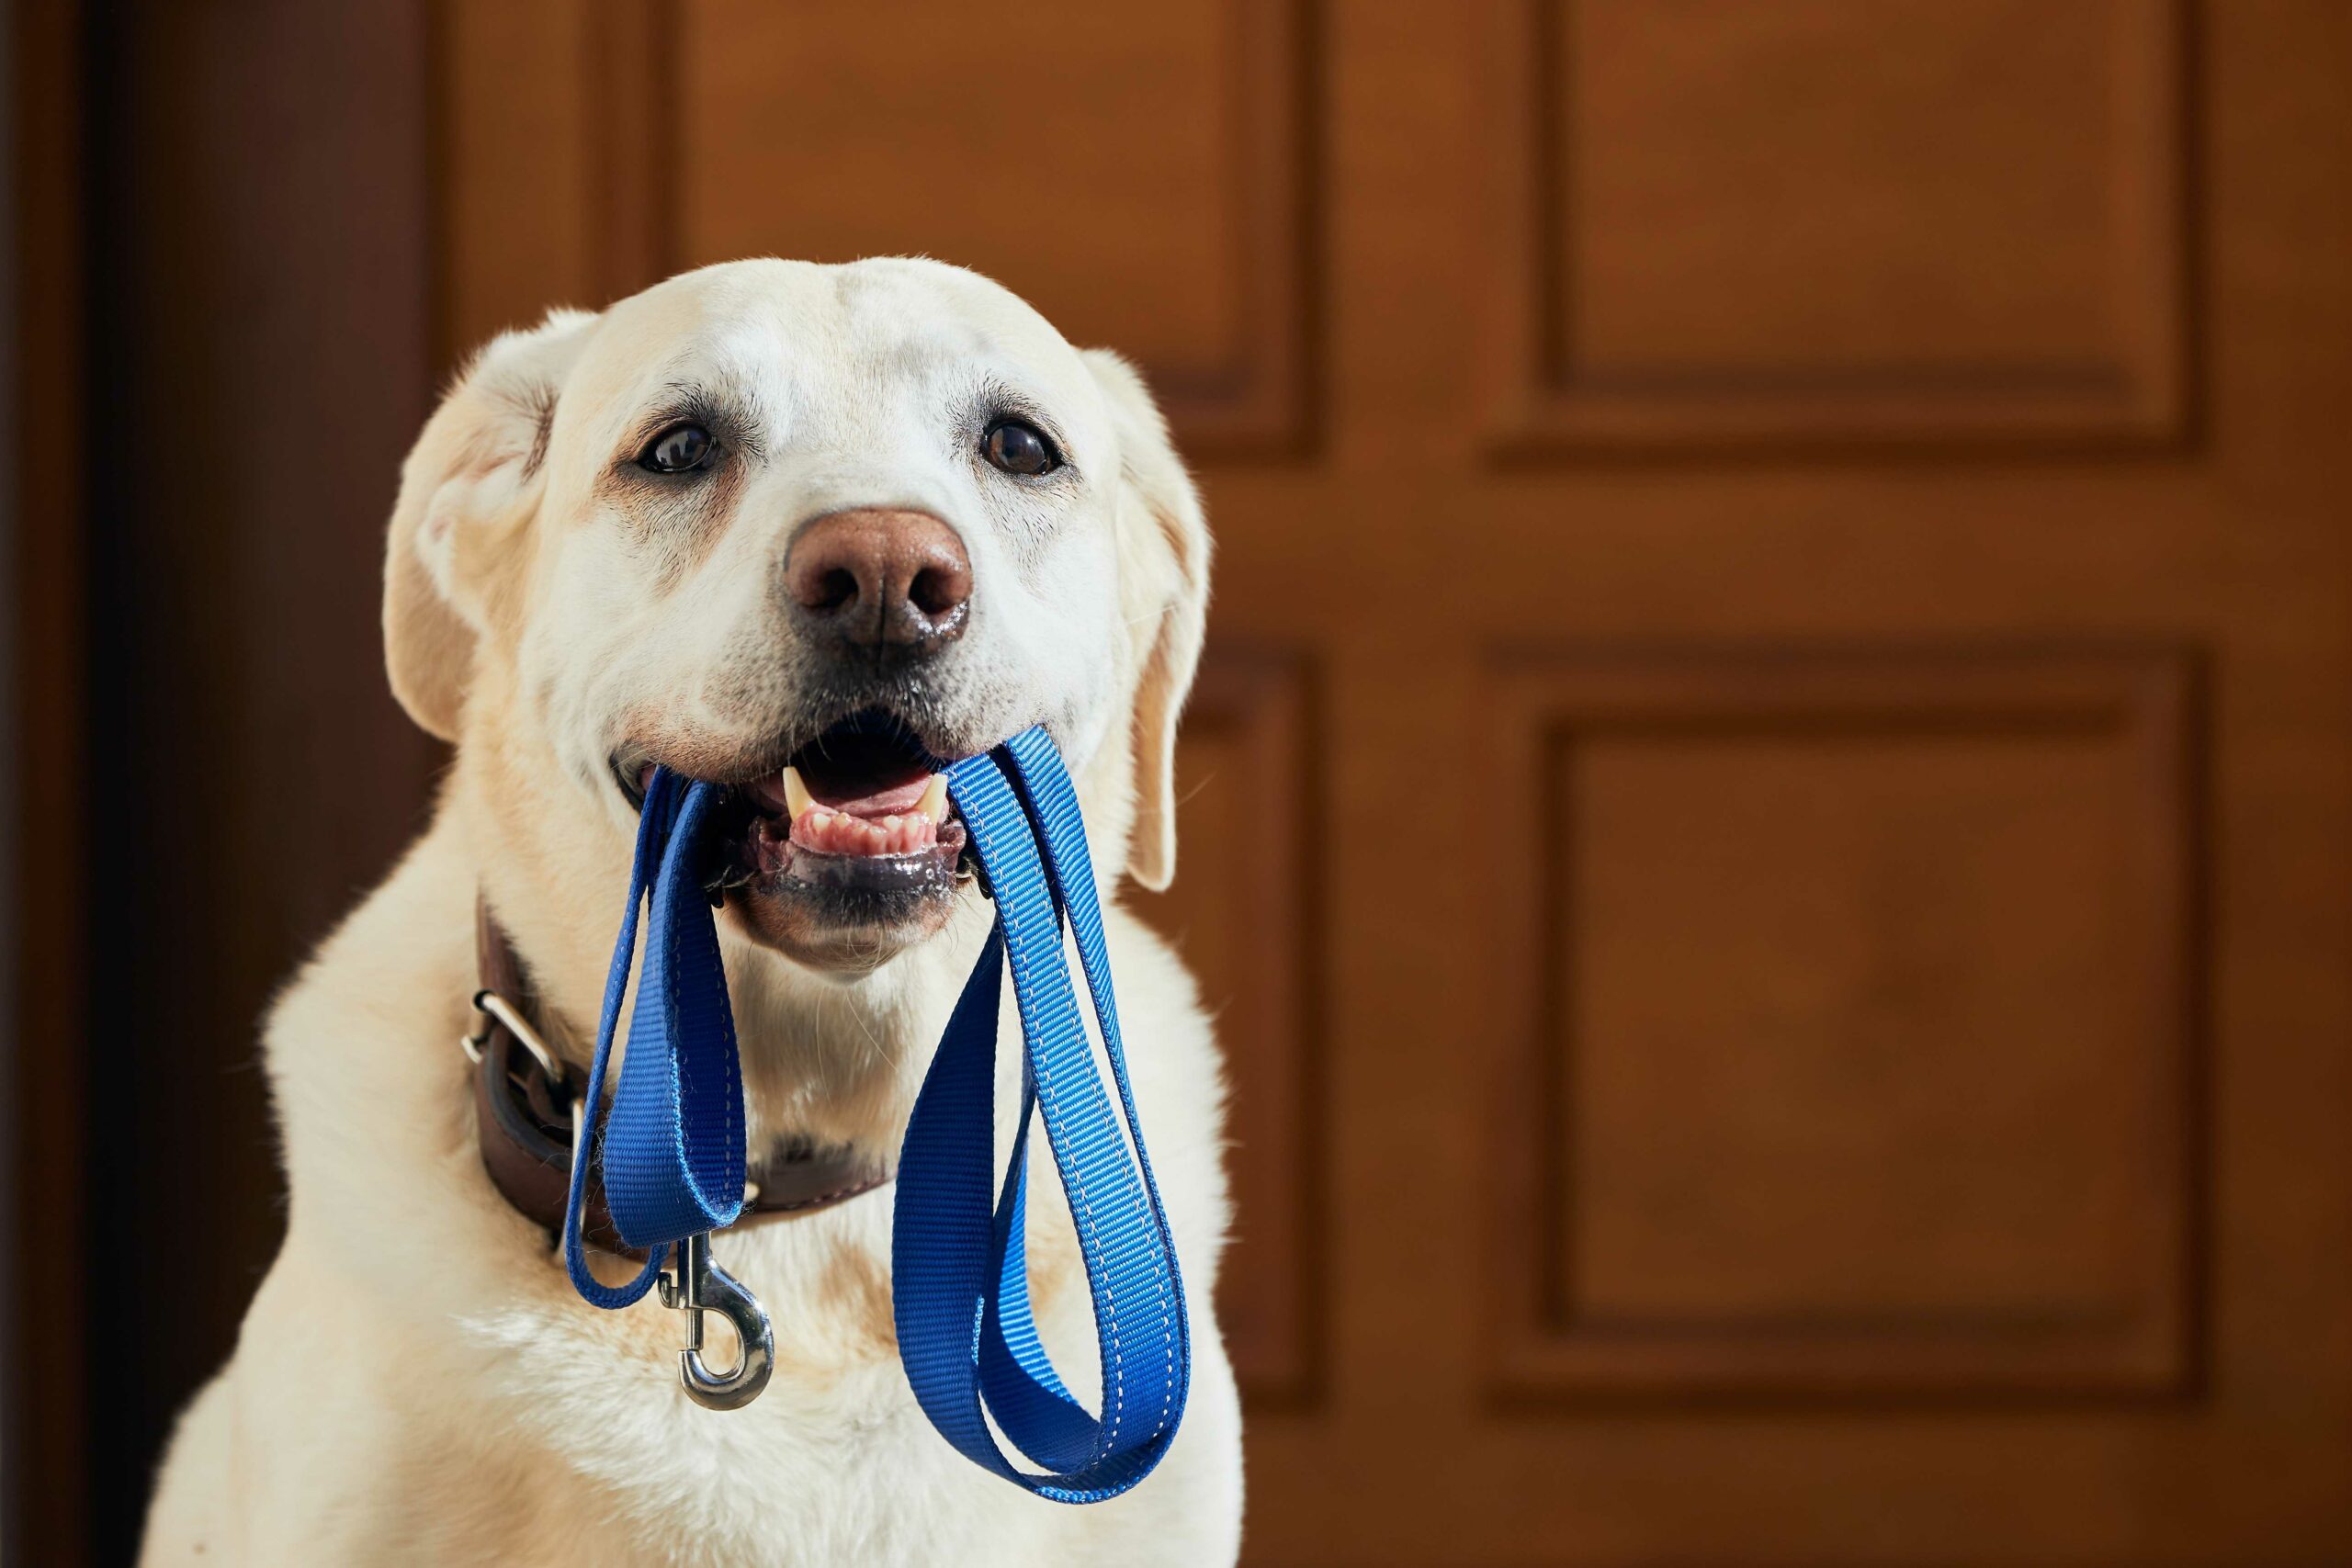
696	1284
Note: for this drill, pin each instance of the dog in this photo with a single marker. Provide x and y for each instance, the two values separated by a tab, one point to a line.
724	526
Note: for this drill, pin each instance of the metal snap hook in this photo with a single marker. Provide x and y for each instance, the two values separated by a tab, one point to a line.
696	1284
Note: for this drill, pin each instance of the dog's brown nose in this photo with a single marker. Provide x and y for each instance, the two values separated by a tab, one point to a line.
875	578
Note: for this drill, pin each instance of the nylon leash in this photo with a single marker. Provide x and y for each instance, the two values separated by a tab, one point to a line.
958	1266
673	1150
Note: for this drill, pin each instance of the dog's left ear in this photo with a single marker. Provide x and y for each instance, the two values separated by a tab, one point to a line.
1164	589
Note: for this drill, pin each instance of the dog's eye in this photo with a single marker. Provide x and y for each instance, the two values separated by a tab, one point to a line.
679	449
1020	448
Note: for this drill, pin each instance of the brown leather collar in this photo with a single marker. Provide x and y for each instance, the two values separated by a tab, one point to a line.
523	1116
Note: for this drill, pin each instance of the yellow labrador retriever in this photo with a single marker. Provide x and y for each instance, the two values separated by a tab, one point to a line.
721	526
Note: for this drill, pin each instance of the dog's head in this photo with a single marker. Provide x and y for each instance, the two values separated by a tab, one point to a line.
810	531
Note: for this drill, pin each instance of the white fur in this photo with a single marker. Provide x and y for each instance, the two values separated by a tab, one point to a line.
416	1381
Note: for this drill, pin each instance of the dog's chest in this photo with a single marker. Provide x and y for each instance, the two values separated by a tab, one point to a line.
834	1463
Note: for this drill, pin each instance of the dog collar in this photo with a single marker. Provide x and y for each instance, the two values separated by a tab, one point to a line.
526	1113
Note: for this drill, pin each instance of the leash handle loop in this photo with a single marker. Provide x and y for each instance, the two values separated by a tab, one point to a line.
966	1332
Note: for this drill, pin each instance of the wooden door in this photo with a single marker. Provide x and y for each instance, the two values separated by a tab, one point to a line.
1771	810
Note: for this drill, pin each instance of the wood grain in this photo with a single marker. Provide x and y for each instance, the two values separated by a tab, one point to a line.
609	142
1920	222
1855	1000
1243	912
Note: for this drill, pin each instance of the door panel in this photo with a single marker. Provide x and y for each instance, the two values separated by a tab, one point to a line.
1854	1031
1925	222
1771	810
1166	142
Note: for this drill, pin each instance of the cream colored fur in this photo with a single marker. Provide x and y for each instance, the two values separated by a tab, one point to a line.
416	1382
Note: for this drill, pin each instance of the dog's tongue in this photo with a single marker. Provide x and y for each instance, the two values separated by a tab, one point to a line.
862	797
852	798
856	792
861	773
866	818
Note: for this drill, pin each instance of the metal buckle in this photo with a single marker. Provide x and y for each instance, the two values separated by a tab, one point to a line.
490	1004
701	1285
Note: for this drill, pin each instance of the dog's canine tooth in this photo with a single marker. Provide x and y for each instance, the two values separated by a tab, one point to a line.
933	803
797	798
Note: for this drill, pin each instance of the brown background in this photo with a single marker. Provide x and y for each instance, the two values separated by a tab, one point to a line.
1770	808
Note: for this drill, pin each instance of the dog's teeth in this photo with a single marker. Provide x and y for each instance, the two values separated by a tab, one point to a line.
797	798
933	803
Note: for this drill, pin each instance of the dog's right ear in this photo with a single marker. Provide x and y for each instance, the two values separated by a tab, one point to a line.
475	475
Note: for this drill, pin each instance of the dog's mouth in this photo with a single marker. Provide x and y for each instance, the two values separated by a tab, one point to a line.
863	807
854	833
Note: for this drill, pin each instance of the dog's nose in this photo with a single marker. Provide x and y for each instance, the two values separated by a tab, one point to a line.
875	578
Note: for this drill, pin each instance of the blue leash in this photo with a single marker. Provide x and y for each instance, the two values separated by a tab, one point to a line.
673	1160
959	1271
